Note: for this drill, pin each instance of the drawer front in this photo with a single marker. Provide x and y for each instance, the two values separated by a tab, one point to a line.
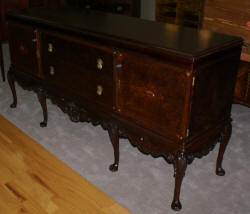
152	93
90	57
80	68
23	47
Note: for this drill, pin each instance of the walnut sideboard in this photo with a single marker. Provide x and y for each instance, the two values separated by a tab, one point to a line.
166	88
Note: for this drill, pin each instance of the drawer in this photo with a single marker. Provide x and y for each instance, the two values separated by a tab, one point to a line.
78	53
23	47
78	66
91	86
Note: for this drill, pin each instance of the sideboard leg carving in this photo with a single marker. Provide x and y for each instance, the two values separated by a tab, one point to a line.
114	138
42	99
11	81
223	144
180	165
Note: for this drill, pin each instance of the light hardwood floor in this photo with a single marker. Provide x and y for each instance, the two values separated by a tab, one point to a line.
33	181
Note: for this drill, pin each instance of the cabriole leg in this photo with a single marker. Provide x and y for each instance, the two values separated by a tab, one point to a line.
180	165
11	81
223	144
42	99
114	137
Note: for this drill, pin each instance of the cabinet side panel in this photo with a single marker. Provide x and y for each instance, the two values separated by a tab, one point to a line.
152	93
23	48
213	92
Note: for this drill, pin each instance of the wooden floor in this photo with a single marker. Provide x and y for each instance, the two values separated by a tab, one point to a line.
33	181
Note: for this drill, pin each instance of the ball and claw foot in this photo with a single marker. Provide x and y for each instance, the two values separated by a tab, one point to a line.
13	105
113	167
176	205
220	172
43	124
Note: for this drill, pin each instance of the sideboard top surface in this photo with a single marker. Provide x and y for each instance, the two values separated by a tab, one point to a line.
183	41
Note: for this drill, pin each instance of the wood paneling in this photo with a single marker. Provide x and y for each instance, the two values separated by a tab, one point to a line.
32	180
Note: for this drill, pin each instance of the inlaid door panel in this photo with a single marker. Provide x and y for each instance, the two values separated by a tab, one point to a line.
153	93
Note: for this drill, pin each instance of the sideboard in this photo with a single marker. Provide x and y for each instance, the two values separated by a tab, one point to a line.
166	88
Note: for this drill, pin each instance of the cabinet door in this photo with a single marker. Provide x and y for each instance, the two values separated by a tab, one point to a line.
23	47
153	94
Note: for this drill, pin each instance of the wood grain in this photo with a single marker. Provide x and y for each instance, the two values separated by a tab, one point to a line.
34	181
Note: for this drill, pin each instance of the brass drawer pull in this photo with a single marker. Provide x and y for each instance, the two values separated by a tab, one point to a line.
99	90
99	64
50	47
51	70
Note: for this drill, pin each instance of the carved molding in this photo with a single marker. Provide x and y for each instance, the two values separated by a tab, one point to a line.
78	113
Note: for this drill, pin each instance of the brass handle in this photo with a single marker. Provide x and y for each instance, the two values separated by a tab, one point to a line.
99	90
87	6
50	47
99	64
119	9
51	70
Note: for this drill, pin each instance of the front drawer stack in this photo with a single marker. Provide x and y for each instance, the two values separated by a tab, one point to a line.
233	17
79	66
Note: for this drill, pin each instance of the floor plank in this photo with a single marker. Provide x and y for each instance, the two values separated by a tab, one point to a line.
34	181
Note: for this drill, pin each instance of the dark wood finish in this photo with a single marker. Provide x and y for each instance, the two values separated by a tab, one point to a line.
42	99
181	12
8	5
11	80
125	7
232	17
180	165
223	144
168	89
